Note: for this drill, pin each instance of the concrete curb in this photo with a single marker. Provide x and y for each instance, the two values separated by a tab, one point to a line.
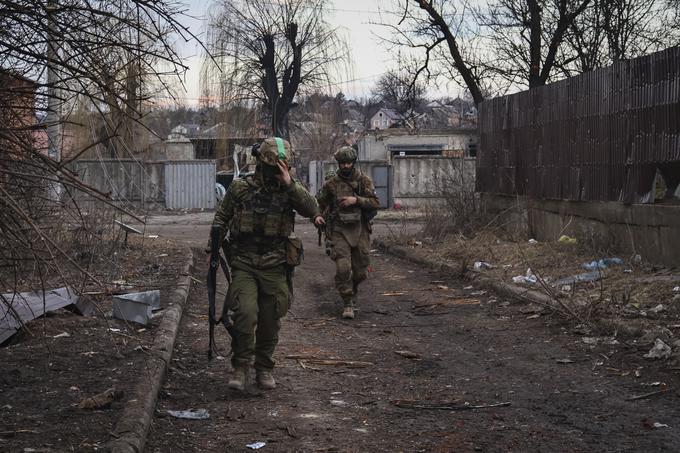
133	425
506	289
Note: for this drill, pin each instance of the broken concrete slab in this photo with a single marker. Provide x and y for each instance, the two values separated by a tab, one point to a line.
16	309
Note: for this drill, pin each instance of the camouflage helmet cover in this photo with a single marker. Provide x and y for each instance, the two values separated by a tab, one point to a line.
346	154
274	149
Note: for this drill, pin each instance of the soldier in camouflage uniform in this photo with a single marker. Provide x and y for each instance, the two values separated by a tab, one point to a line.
258	213
345	198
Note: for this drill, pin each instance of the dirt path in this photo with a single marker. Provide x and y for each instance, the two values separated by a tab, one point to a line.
424	341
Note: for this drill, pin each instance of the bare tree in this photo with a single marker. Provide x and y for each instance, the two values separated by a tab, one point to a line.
266	52
612	30
320	126
399	90
93	50
487	47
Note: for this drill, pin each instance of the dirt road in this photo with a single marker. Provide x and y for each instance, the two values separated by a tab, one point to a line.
415	372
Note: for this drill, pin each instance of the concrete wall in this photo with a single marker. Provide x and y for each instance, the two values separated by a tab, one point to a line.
177	149
652	231
419	180
375	146
414	181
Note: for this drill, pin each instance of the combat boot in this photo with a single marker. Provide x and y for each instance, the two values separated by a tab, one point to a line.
348	313
265	380
238	378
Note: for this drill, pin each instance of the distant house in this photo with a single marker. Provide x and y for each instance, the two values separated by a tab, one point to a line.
384	119
184	131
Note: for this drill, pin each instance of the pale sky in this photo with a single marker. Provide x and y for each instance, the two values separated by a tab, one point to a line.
353	17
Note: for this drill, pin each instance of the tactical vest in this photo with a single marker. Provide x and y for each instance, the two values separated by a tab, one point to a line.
263	214
344	188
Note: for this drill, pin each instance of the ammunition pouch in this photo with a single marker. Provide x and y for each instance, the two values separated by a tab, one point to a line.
353	216
294	251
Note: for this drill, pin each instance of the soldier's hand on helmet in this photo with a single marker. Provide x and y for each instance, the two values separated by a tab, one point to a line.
347	201
284	175
318	220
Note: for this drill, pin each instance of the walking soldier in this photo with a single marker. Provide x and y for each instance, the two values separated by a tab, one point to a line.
349	202
257	217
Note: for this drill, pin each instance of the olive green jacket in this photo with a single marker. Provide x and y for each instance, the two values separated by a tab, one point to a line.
267	252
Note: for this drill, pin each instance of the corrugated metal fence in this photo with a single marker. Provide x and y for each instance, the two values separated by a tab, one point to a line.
165	184
599	136
190	184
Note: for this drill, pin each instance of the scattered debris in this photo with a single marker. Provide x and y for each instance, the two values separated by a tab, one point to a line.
393	293
479	265
128	229
304	360
564	239
408	354
62	335
604	263
533	241
590	340
658	309
435	308
136	307
585	277
191	414
338	403
660	351
531	308
444	406
102	400
676	289
256	445
563	361
16	309
529	278
650	335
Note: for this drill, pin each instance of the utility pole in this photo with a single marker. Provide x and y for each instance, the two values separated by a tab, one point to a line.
53	119
53	102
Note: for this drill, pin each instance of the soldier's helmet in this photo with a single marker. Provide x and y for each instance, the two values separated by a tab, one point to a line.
346	154
273	149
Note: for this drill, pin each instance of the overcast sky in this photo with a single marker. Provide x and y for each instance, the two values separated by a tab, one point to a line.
353	17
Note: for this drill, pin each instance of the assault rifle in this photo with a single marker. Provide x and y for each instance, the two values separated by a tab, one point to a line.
216	260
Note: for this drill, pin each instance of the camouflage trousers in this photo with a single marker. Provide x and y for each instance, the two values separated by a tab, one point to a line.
351	263
258	299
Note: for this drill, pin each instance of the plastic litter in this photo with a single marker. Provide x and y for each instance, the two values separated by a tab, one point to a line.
660	351
676	289
660	425
256	445
479	265
533	241
604	263
658	309
191	414
564	239
585	277
529	278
